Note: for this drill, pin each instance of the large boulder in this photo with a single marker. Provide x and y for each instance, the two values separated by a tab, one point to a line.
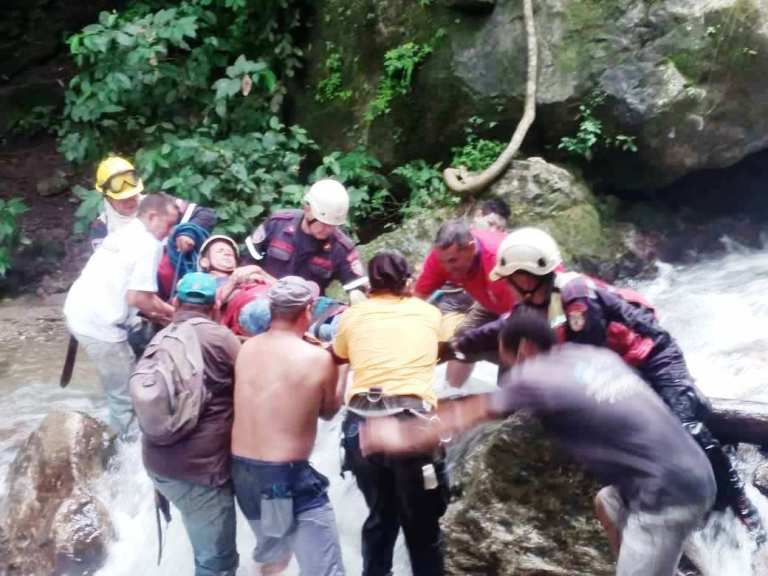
546	195
523	509
685	78
543	194
54	524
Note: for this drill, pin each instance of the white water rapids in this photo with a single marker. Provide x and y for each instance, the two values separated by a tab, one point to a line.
717	310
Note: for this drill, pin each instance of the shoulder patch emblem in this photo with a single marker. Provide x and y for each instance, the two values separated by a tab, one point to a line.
576	320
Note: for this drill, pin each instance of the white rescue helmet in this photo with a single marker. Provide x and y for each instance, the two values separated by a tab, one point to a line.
528	249
328	202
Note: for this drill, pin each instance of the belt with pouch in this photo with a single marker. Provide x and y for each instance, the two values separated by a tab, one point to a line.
375	403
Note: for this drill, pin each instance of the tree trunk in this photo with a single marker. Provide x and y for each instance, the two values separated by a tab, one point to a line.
735	421
459	180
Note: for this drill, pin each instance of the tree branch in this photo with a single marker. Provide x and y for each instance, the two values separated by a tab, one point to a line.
458	180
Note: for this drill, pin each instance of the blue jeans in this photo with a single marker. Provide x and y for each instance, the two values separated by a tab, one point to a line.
208	513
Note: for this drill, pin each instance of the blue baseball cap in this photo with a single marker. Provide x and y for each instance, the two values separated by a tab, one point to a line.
197	288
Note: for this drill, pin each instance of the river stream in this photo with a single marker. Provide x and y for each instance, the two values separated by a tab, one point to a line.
717	310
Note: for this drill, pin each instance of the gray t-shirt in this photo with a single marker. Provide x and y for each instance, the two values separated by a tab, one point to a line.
608	418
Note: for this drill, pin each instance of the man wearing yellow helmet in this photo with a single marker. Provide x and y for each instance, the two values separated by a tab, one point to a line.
118	181
308	242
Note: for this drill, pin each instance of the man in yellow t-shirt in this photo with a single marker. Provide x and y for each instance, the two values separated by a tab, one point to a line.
391	342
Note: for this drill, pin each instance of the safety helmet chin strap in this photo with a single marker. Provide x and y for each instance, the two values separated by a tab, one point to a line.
527	294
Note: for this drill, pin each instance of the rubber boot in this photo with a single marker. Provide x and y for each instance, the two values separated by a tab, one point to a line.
730	487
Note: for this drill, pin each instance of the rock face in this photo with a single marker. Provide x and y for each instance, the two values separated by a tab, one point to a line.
546	195
523	510
685	78
54	524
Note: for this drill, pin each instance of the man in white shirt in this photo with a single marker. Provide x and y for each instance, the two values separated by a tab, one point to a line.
119	280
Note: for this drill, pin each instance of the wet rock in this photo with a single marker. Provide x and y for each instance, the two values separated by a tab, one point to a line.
685	79
413	238
523	509
54	523
760	479
543	194
53	185
471	6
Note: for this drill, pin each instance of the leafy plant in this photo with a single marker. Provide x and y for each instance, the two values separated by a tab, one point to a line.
591	132
144	73
10	231
330	87
35	121
427	190
88	209
399	64
242	176
193	90
477	153
369	190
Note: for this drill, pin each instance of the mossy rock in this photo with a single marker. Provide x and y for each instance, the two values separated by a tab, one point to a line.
524	509
684	79
413	237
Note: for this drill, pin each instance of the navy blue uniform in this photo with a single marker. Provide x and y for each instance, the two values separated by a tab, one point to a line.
287	250
598	314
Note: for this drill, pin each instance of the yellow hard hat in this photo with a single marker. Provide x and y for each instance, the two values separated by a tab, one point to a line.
117	178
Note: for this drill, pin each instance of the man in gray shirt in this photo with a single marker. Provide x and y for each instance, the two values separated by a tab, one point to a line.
659	484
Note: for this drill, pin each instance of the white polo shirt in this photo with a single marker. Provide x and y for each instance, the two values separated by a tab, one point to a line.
127	259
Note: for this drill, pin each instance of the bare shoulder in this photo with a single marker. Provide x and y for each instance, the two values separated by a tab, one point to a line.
317	354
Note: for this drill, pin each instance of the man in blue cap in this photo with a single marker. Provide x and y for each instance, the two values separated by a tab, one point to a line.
193	472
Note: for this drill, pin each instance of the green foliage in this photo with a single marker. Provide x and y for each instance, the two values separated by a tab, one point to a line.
399	64
591	132
477	153
241	176
369	194
37	120
144	73
88	210
330	87
10	232
193	90
426	187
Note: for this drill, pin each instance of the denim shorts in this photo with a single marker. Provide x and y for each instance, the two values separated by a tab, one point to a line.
312	537
254	478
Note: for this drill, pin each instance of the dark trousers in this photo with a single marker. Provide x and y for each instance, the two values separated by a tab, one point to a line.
396	497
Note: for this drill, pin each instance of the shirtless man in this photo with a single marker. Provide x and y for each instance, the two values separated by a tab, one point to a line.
282	385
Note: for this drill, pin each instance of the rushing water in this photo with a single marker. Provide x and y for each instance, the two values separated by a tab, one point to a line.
716	309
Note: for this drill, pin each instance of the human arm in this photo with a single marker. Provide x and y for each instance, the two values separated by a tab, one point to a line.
340	346
251	273
431	278
481	339
256	242
331	399
204	217
151	305
608	320
392	435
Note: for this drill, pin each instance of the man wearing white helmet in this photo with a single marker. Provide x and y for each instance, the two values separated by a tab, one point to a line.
588	311
308	242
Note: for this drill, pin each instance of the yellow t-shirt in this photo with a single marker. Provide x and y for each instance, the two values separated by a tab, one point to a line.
391	343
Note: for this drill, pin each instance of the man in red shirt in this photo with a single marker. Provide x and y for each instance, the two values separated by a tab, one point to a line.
465	257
